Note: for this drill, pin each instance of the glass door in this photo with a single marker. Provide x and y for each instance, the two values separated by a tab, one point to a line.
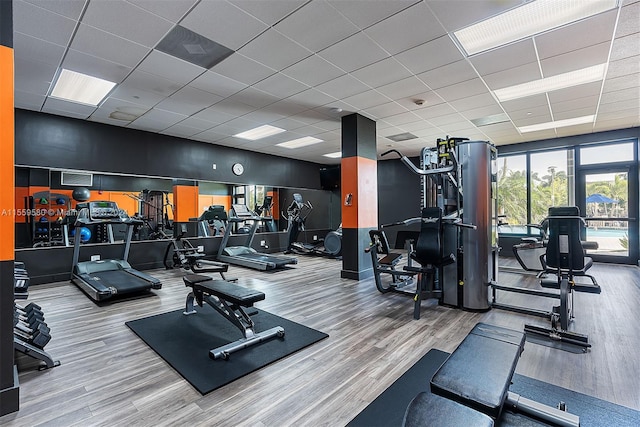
608	206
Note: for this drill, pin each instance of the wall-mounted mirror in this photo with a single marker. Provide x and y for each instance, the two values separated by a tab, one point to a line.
45	202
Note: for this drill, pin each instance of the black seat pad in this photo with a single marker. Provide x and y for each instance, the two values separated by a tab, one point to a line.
230	292
427	409
478	373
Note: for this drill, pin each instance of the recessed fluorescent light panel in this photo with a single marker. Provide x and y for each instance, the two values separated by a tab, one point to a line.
81	88
259	132
333	155
300	142
490	120
527	20
557	124
549	84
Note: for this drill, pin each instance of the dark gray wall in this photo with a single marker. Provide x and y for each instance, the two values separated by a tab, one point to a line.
59	142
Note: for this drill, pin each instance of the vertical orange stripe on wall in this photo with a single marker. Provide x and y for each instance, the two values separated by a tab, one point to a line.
185	199
7	168
359	178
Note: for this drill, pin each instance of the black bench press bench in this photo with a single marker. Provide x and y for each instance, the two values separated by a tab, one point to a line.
228	299
472	385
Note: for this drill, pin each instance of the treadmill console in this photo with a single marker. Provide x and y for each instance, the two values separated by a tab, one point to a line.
242	211
103	210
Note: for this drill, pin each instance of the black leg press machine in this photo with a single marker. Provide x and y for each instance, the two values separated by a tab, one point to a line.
471	388
228	299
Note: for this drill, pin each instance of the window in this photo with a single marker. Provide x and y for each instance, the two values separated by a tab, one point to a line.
512	189
550	182
608	153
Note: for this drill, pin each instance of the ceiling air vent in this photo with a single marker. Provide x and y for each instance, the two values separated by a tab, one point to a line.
77	179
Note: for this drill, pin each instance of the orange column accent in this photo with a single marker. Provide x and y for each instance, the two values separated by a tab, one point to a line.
185	198
359	178
7	167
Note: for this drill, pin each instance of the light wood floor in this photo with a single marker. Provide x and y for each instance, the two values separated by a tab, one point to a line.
110	377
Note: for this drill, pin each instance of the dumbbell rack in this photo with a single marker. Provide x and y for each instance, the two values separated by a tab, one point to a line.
30	332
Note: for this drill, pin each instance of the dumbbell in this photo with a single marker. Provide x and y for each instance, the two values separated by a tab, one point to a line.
29	327
31	311
36	338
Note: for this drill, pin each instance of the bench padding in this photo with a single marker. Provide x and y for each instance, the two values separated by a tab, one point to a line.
227	291
428	409
478	373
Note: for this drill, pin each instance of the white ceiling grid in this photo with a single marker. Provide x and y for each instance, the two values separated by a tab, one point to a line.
302	64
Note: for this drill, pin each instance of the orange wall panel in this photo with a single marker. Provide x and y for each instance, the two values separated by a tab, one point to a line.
359	178
7	168
186	202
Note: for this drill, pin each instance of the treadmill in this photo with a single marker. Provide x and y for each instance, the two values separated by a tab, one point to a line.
245	255
103	279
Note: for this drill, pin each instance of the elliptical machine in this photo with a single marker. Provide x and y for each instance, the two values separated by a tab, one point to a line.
296	215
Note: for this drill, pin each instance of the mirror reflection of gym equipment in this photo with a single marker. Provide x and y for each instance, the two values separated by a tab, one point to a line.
296	215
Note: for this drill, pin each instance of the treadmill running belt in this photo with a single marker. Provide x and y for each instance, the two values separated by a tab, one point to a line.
123	281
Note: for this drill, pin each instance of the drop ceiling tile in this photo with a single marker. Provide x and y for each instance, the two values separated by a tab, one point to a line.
171	10
188	100
364	13
575	92
576	60
439	52
533	111
618	96
196	123
428	98
309	117
462	13
478	113
263	115
342	87
57	106
28	101
366	99
574	104
287	107
230	107
462	90
533	119
181	131
98	118
575	130
471	102
629	19
403	88
447	119
613	123
386	110
416	126
274	50
268	12
525	103
253	97
117	113
41	23
570	114
214	115
28	47
96	67
435	111
342	54
217	84
313	70
115	105
631	115
449	74
579	35
223	23
122	18
170	67
150	83
32	76
288	123
620	105
239	123
131	93
402	119
330	125
381	73
280	86
411	27
505	57
68	8
625	47
623	67
209	136
630	81
311	98
316	25
107	46
157	120
513	76
245	70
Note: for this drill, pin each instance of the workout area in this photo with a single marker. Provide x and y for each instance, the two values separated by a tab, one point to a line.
364	213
